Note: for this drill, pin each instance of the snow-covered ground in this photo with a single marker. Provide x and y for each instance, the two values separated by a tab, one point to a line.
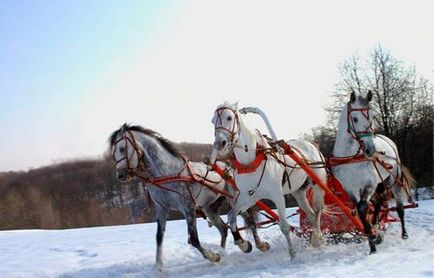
128	251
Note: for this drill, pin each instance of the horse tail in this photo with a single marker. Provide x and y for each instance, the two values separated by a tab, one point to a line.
407	182
407	177
331	210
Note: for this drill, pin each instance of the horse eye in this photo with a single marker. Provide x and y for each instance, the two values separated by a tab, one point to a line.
229	118
355	119
121	149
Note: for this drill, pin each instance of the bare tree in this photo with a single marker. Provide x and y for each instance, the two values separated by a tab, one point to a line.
403	104
396	89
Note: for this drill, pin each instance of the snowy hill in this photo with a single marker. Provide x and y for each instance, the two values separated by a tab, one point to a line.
128	251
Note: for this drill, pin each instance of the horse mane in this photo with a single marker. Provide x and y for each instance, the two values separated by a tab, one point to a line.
168	145
226	104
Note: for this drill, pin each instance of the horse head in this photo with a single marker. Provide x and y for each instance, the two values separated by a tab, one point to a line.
127	153
360	122
226	130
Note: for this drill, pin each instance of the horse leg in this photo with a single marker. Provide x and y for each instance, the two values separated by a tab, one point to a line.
398	194
312	216
212	212
190	216
318	207
244	245
376	200
250	221
283	223
362	210
400	211
377	207
161	214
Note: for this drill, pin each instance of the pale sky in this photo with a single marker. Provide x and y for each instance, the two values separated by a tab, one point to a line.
71	72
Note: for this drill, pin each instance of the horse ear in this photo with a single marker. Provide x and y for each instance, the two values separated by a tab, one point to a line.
236	105
124	127
369	96
353	97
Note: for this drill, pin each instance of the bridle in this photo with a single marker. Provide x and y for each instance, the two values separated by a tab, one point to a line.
359	135
129	138
219	124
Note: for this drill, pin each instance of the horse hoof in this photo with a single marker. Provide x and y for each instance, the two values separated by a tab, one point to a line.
215	258
379	238
316	238
315	242
212	257
158	267
263	246
372	248
291	255
249	247
245	246
404	236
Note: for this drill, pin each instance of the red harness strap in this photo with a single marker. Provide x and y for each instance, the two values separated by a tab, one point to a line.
192	177
225	176
251	167
385	165
207	183
167	179
334	161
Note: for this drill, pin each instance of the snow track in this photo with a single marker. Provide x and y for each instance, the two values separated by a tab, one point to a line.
128	251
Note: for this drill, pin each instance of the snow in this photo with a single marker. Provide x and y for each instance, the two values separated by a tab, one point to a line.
129	251
424	193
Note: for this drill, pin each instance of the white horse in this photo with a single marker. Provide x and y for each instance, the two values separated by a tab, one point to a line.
263	173
377	163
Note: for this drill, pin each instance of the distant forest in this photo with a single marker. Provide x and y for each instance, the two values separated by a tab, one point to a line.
73	194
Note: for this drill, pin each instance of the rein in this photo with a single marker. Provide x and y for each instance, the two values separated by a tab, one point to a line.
191	177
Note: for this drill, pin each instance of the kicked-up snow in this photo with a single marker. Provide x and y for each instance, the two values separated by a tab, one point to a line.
129	251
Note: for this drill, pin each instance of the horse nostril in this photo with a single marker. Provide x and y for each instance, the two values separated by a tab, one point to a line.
121	176
223	143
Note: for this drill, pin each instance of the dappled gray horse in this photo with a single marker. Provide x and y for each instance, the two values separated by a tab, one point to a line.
175	184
